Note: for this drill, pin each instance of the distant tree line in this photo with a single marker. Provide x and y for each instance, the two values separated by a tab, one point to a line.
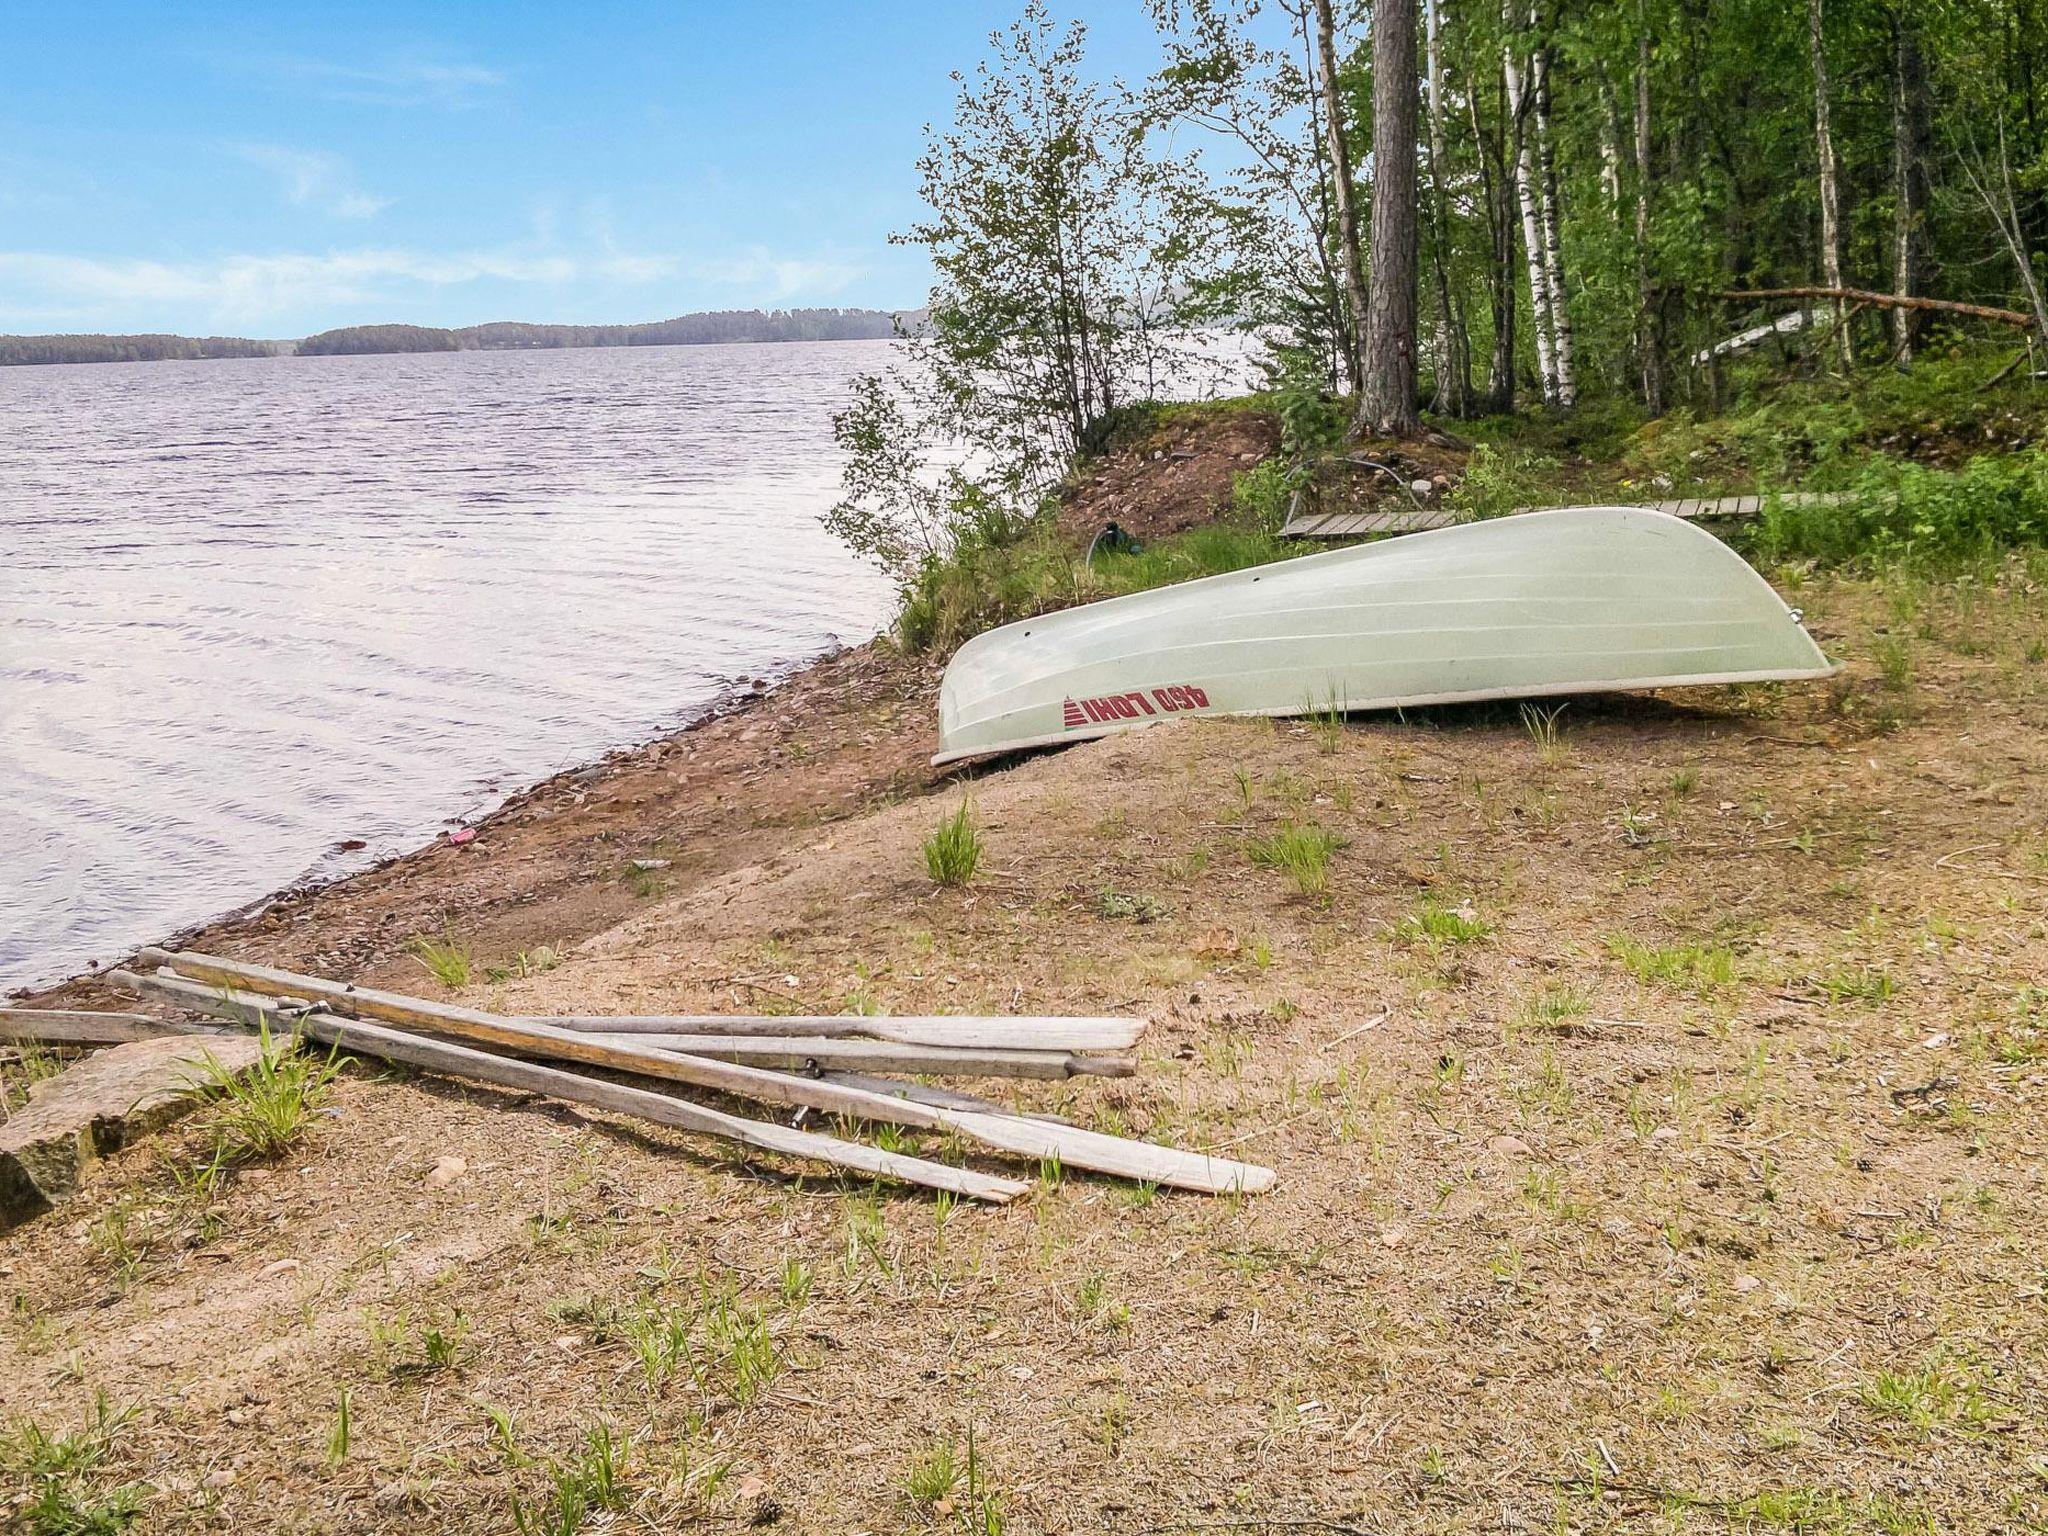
736	325
130	349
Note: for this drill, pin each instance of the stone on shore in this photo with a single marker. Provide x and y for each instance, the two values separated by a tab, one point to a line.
97	1105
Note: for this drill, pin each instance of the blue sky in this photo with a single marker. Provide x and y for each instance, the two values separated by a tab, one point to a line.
275	169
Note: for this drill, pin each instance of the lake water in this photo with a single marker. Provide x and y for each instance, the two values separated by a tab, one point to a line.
250	609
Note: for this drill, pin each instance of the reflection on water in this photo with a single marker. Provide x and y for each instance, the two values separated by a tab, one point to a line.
251	608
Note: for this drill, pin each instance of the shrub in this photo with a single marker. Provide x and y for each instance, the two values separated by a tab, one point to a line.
1896	513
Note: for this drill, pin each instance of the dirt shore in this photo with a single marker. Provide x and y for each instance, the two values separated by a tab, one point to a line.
1658	1116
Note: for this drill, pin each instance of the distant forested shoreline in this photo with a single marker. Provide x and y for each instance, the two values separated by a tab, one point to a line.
735	325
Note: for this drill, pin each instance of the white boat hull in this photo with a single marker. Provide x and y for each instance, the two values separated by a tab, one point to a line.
1579	600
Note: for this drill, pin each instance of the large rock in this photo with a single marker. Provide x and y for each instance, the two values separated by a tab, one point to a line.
96	1105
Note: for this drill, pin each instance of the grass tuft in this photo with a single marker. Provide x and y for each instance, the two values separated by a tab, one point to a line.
953	852
1433	921
447	959
1699	968
1302	851
262	1111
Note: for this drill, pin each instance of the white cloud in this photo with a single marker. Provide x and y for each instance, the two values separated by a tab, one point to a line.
772	278
314	179
400	82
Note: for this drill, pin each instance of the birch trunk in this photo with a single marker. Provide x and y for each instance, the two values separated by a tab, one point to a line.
1386	398
1646	339
1454	355
1345	190
1551	215
1610	145
1495	175
1909	178
1523	174
1830	198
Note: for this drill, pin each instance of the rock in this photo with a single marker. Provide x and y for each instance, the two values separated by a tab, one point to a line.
1508	1146
277	1267
1744	1284
446	1171
645	865
1664	1135
98	1105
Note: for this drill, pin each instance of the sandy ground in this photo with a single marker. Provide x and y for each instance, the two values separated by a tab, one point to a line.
1685	1176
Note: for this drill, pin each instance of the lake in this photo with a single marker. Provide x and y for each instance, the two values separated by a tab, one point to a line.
252	609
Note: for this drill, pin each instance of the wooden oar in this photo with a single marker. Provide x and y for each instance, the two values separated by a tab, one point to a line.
460	1061
796	1053
1074	1148
1020	1032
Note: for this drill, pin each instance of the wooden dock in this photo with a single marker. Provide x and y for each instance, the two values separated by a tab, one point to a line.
1359	525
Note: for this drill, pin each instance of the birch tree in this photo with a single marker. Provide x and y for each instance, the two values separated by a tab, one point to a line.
1830	193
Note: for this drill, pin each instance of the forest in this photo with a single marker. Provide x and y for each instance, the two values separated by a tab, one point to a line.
1436	214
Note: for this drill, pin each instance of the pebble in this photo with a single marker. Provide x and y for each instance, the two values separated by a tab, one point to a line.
446	1170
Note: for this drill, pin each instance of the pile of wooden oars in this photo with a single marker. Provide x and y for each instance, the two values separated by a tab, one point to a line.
826	1066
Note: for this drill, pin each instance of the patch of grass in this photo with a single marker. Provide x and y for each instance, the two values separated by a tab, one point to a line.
793	1282
343	1432
1302	851
31	1064
1137	906
448	959
590	1481
1857	984
1557	1008
1698	968
1437	923
260	1112
528	962
64	1491
1935	1396
935	1473
953	852
1685	781
1542	728
1894	657
1326	722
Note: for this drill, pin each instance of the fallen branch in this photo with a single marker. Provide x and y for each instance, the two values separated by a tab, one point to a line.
1073	1147
504	1072
1884	300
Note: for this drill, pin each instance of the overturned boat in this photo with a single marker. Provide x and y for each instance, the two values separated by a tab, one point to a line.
1577	600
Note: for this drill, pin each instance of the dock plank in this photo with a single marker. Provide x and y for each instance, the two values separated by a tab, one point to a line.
1358	525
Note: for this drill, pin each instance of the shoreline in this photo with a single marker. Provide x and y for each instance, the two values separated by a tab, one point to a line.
553	863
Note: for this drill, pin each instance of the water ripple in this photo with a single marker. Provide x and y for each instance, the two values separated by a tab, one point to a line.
249	608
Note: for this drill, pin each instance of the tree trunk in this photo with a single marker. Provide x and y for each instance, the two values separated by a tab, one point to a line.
1346	190
1909	177
1830	202
1454	360
1524	175
1552	215
1610	145
1647	358
1386	397
1494	177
